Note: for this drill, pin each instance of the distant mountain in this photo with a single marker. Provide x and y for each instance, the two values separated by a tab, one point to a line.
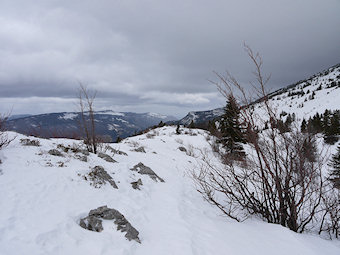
201	116
18	116
66	124
303	98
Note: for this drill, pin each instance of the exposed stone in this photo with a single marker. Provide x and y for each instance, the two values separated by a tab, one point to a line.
140	149
63	148
93	222
182	149
55	152
114	151
29	142
85	152
99	176
142	169
81	158
106	157
135	185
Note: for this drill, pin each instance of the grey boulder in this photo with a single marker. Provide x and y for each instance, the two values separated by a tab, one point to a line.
142	169
98	175
93	222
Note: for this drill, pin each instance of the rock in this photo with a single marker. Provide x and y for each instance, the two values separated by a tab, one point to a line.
93	222
99	176
106	213
114	151
55	152
63	148
140	149
106	157
29	142
142	169
85	152
182	149
135	185
81	158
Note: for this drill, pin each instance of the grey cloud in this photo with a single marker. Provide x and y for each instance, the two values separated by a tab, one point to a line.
156	55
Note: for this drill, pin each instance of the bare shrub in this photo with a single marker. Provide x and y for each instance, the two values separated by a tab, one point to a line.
4	139
280	180
87	119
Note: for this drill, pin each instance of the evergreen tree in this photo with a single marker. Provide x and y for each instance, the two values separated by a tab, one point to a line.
161	124
232	136
334	174
192	124
178	131
303	125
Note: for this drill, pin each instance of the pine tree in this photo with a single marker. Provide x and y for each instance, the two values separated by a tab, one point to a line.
232	136
334	174
178	131
192	124
161	124
303	125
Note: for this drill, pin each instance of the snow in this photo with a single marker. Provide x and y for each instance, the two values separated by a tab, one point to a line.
109	112
302	106
157	115
68	116
41	204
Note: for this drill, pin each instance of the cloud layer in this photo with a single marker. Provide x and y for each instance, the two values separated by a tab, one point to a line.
155	55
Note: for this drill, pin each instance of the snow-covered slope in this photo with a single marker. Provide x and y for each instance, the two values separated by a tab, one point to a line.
304	98
308	97
43	197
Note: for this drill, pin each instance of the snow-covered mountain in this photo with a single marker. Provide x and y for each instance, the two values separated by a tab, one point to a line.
310	96
304	98
48	188
66	124
201	116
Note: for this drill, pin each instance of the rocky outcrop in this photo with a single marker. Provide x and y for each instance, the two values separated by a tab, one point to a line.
29	142
182	149
142	169
140	149
93	222
135	185
114	151
106	157
99	176
55	152
81	157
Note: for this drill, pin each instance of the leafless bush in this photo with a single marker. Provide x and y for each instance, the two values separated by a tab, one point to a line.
281	178
330	221
4	139
87	119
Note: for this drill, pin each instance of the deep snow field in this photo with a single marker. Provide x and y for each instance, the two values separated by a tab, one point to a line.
43	197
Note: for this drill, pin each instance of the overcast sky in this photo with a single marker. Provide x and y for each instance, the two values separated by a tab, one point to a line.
154	55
